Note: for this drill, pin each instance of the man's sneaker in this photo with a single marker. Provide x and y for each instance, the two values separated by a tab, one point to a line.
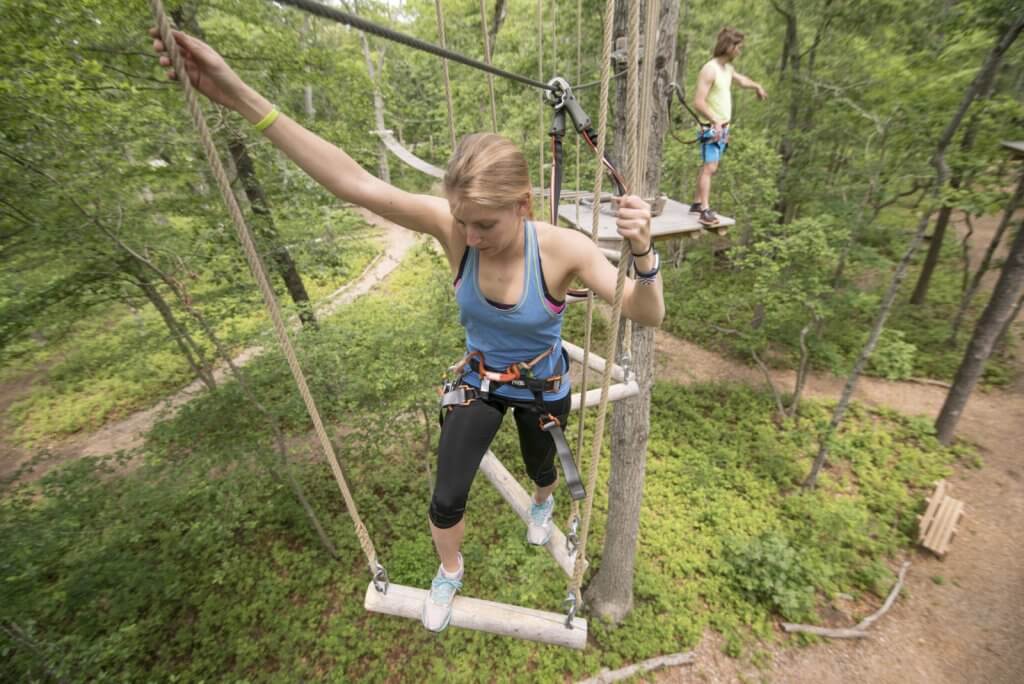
695	208
538	532
437	607
708	218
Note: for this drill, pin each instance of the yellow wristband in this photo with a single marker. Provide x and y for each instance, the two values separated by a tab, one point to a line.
264	123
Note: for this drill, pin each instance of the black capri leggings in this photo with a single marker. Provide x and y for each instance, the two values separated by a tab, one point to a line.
465	437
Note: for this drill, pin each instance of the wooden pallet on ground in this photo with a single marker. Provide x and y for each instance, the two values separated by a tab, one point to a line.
938	525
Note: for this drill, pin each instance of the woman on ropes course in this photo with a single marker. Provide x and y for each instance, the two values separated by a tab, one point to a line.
511	276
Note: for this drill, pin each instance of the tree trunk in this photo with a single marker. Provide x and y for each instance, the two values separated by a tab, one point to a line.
383	168
942	222
986	261
263	225
500	12
186	344
307	90
941	175
610	593
789	66
932	258
993	322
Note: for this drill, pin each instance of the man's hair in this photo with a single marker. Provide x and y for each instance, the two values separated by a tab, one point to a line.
728	38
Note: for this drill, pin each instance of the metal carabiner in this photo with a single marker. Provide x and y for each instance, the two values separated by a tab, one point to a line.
380	579
559	90
572	540
571	603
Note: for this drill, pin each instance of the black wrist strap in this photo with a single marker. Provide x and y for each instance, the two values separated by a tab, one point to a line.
650	246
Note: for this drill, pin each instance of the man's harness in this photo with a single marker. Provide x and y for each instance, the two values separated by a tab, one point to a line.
454	392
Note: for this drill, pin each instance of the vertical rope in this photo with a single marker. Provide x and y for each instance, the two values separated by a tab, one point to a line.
574	512
444	70
487	59
646	98
541	104
259	273
581	563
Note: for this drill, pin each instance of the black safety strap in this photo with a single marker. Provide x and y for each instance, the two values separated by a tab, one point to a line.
551	426
563	101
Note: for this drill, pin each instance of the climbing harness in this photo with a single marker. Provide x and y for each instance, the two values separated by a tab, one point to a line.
704	126
455	391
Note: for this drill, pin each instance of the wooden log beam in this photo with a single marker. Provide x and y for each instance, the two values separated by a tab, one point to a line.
615	393
595	362
484	616
519	500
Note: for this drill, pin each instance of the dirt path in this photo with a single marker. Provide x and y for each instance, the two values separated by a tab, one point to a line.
129	432
959	620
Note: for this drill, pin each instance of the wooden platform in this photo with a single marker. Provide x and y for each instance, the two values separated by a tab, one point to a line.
938	525
484	616
675	221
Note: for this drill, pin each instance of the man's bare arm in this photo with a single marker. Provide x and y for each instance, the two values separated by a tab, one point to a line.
746	82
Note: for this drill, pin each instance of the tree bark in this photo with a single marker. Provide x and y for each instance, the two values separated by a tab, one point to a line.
263	225
610	593
934	250
993	322
941	175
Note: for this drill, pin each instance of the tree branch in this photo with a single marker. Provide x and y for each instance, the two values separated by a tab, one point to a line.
860	631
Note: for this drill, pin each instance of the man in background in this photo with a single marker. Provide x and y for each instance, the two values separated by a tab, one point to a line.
713	100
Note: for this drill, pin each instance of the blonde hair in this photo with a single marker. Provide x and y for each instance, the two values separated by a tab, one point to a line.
489	170
728	38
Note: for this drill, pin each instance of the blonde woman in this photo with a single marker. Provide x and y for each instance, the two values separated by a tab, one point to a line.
510	273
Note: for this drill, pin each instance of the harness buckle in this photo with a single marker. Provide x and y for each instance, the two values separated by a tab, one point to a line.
549	423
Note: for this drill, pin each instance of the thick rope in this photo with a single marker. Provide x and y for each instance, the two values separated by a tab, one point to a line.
542	105
487	59
259	273
444	70
363	25
581	563
645	96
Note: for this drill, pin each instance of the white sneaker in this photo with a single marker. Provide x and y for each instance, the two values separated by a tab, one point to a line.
538	531
437	607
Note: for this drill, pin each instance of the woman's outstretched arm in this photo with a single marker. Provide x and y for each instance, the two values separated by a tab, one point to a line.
327	164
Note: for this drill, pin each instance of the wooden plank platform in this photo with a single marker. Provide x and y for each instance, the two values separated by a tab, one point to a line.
485	616
675	221
938	524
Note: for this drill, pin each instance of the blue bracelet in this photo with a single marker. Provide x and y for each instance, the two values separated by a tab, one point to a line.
649	276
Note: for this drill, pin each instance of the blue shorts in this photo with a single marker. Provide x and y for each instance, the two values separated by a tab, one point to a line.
711	152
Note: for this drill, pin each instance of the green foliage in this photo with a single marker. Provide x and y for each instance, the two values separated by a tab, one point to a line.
198	564
893	357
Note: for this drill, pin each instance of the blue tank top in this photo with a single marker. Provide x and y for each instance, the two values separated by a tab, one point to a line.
515	334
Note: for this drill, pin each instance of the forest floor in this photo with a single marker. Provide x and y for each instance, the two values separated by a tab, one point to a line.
958	620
